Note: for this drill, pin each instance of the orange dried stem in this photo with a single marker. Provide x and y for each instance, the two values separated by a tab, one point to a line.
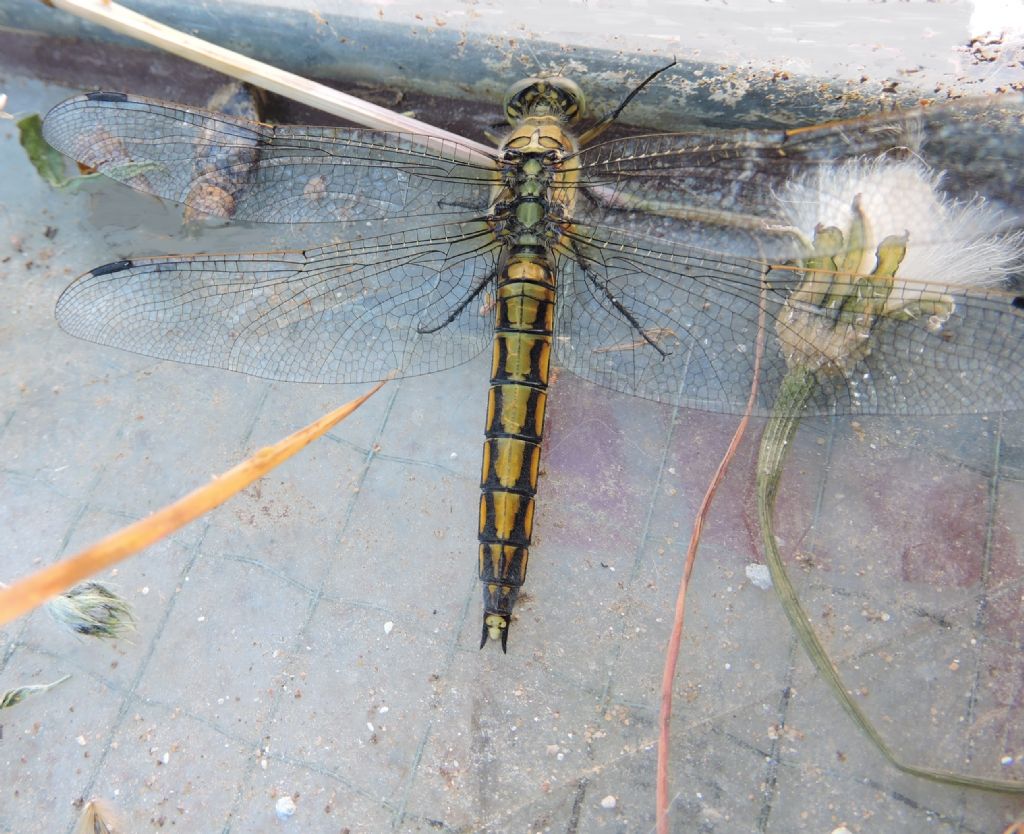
34	590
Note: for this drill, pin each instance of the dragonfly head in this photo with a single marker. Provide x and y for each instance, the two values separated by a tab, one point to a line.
496	628
557	97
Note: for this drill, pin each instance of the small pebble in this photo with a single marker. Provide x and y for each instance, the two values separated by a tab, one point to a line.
285	807
608	802
388	626
759	576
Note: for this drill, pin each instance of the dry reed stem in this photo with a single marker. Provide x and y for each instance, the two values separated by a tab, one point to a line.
35	589
125	21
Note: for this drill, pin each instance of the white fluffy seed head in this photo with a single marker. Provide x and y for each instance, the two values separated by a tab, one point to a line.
948	241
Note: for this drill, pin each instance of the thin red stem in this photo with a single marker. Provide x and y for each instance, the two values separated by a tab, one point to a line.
672	652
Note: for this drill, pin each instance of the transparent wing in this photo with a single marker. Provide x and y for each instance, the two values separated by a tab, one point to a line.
285	174
680	325
349	312
671	324
721	189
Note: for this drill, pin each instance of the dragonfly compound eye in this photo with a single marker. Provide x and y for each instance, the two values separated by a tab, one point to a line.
558	97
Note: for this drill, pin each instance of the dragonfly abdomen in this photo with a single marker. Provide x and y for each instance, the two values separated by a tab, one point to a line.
524	322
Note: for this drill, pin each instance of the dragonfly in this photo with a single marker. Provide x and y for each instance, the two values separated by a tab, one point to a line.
642	264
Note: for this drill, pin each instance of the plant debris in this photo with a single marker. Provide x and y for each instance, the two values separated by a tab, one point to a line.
92	609
13	697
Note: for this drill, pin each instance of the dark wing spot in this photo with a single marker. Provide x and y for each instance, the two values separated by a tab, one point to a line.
116	266
102	96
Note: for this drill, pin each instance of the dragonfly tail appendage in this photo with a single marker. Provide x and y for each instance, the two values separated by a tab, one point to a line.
515	421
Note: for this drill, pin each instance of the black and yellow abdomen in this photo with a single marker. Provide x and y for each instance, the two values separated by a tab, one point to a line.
524	321
535	195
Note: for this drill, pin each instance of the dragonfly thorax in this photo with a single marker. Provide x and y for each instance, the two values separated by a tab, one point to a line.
536	191
529	207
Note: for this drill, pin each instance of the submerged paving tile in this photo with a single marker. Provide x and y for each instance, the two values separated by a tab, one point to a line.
262	638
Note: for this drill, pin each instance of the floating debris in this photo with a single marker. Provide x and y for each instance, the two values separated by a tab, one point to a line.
92	609
13	697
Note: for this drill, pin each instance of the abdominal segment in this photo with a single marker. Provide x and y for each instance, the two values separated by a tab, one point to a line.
515	422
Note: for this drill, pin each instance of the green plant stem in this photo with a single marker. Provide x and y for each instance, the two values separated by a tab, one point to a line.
775	442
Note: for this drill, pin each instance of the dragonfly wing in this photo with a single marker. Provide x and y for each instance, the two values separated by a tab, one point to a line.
263	173
680	325
665	322
968	364
724	190
348	312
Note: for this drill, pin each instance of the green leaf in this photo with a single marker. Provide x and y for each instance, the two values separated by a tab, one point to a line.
47	161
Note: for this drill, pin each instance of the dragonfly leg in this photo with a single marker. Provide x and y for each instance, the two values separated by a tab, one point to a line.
618	305
462	305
